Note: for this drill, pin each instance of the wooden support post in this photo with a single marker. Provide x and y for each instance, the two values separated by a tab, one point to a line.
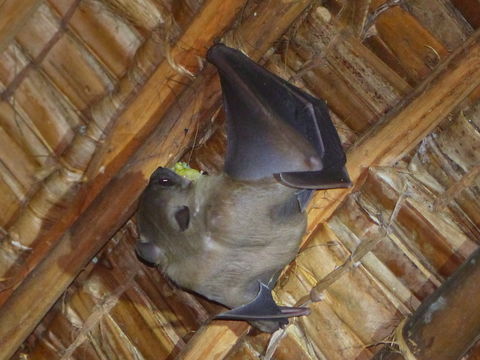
213	341
447	323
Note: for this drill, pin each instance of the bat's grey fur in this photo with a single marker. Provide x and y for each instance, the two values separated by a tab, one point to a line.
226	249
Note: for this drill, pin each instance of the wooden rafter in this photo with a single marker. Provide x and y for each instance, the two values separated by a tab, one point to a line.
406	125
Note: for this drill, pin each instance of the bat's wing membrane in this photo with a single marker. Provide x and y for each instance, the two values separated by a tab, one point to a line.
274	128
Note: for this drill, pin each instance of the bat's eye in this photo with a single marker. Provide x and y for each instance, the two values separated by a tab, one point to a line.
164	181
165	177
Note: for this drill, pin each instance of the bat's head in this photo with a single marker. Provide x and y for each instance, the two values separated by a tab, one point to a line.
165	181
163	215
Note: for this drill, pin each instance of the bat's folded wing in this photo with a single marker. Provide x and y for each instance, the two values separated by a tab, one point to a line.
263	307
276	129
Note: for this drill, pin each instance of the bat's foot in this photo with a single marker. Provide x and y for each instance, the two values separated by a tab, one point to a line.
264	311
319	180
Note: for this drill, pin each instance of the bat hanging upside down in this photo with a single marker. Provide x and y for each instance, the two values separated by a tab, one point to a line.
228	237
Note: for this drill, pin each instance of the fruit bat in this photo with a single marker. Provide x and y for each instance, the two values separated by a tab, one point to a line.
228	236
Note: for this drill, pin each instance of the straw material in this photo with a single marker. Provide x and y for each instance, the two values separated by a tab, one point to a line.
95	94
402	343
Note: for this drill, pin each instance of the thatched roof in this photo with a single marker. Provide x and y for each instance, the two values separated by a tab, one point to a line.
95	94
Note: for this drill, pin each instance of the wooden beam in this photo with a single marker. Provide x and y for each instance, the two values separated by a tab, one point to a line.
13	15
213	341
168	80
447	323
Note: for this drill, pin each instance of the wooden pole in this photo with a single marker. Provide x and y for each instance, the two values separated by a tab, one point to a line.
213	341
447	323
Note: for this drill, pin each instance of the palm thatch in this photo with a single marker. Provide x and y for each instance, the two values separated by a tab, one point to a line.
95	94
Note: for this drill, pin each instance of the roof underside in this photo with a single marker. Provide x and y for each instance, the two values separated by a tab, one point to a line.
95	94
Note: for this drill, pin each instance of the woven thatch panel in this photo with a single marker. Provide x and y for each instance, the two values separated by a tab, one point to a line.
96	94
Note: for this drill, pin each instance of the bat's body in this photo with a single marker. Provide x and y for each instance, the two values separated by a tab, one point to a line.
221	236
225	243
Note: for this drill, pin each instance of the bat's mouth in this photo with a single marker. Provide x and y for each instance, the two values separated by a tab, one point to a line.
183	169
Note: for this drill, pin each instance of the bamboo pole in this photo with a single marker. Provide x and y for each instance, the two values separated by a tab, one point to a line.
447	323
213	341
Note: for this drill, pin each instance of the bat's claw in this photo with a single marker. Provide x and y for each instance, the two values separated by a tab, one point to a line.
319	180
263	307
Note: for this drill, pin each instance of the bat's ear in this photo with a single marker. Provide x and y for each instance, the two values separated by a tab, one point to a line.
274	127
148	252
263	307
